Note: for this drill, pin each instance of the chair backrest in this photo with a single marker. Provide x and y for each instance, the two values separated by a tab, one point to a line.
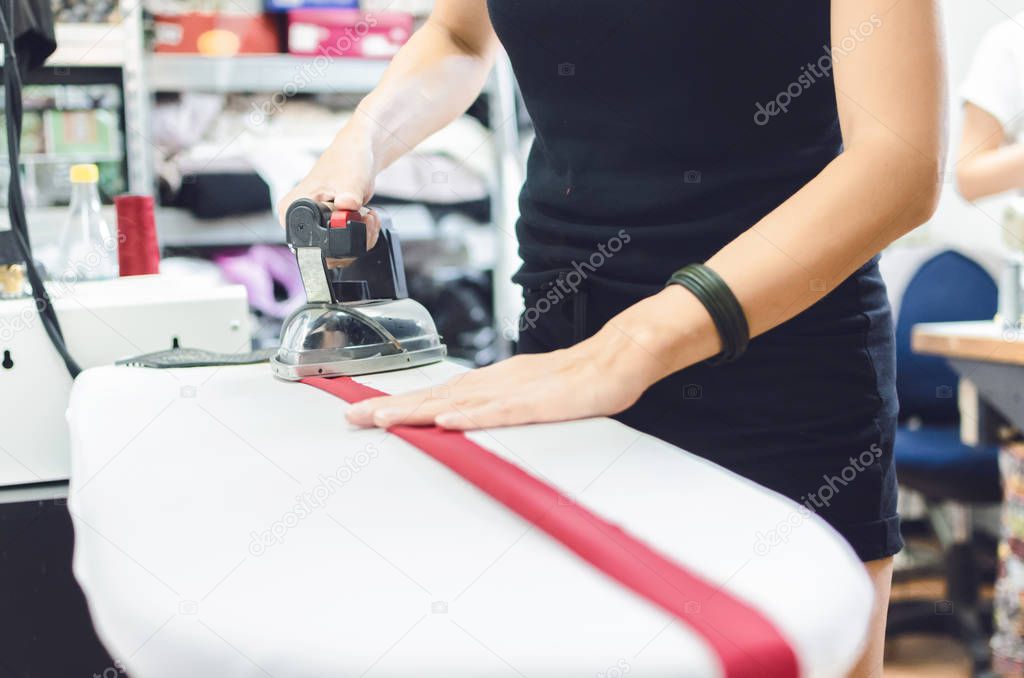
948	287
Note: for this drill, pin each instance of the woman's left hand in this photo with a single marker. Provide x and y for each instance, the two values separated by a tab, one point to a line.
563	384
601	376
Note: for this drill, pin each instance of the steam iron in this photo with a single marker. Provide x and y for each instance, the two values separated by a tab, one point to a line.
358	319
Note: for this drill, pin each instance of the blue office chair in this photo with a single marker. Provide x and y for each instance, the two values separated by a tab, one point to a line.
930	457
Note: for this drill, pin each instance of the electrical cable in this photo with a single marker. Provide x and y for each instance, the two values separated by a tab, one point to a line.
15	198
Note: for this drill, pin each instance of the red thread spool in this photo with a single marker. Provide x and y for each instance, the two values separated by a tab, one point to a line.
138	252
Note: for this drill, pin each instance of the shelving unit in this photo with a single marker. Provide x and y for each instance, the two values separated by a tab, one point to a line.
117	44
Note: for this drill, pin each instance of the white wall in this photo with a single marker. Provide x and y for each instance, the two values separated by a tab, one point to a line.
957	221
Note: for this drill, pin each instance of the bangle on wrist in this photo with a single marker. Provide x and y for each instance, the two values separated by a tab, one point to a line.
722	306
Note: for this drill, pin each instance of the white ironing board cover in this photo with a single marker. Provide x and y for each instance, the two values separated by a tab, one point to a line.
228	523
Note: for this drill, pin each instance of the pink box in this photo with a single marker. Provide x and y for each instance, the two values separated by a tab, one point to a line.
347	33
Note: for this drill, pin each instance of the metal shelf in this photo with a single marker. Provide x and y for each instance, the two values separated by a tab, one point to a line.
177	228
115	45
262	73
63	158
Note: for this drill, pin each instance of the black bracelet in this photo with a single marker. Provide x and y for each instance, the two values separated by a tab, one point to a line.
722	305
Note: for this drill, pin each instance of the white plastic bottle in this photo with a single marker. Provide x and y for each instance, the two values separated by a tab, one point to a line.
88	249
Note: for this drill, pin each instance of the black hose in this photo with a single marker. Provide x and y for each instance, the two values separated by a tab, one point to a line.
15	199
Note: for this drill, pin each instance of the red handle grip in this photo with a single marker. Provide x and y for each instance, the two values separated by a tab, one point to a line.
339	218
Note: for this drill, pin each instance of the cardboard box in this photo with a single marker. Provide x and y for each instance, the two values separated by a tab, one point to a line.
216	34
347	33
288	5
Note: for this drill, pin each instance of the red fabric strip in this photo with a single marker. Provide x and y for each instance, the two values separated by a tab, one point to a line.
747	644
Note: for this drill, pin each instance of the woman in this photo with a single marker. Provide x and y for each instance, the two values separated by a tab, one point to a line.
671	133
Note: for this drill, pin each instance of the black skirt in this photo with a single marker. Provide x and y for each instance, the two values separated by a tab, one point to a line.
809	411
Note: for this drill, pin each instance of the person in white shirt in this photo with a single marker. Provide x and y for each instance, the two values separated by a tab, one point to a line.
992	146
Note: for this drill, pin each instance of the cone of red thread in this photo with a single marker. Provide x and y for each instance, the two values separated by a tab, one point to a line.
138	252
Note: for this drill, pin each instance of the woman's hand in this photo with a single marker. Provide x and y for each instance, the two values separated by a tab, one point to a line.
566	384
601	376
344	176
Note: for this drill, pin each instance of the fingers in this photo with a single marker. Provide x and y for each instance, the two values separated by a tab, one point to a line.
497	412
465	393
556	386
372	221
343	199
285	202
419	408
480	409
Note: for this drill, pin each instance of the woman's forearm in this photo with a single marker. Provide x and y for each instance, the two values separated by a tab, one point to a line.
885	183
988	164
431	81
991	172
861	202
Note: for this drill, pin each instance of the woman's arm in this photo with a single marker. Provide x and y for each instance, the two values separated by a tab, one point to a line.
987	166
432	80
891	96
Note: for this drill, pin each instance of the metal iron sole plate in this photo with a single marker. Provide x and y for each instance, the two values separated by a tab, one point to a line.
355	367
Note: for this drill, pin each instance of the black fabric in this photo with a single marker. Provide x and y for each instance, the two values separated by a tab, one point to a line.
213	195
33	32
45	626
645	119
660	139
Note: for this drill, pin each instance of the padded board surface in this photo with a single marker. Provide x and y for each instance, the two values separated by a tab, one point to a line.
231	524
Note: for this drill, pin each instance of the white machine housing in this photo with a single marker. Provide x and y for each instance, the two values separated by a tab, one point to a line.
102	322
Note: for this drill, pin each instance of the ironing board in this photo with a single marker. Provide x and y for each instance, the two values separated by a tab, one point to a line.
228	523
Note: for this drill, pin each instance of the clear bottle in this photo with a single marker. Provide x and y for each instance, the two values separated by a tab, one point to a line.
88	249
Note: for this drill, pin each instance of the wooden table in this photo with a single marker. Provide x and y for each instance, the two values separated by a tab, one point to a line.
990	361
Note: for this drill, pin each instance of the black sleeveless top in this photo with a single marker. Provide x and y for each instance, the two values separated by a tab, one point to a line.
665	128
664	118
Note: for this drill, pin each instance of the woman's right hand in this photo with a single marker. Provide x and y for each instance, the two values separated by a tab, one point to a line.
344	176
432	80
